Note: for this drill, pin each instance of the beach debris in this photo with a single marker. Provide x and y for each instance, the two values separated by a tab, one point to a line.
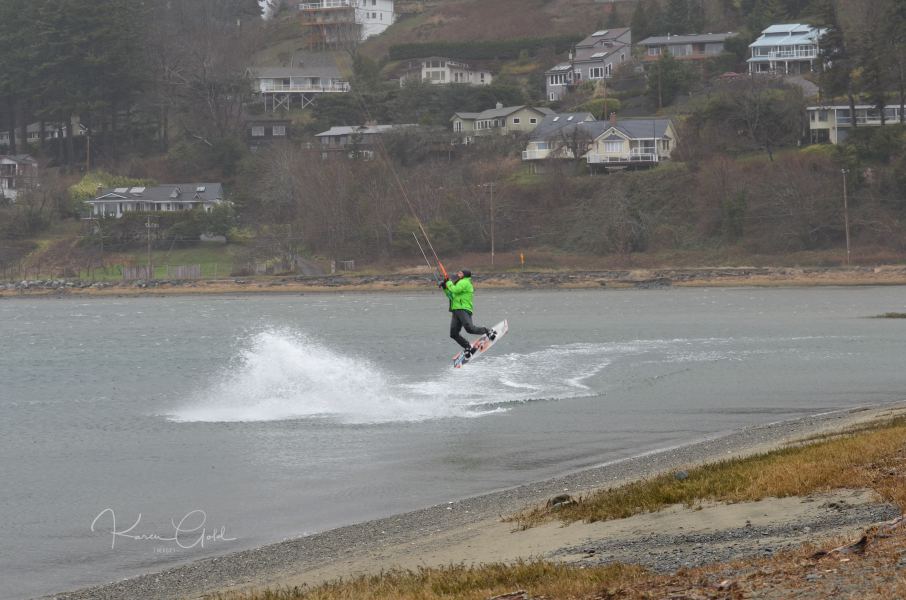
560	501
681	475
858	547
520	595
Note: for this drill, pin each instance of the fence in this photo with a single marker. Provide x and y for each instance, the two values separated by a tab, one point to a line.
173	272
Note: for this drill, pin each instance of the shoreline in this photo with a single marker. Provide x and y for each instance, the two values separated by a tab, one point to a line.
421	280
409	538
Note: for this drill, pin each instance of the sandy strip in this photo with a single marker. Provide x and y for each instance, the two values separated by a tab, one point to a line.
470	530
409	282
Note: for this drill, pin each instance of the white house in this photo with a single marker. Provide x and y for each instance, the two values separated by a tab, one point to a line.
833	123
439	70
170	197
633	143
552	136
335	20
313	74
594	58
17	174
603	144
51	131
785	49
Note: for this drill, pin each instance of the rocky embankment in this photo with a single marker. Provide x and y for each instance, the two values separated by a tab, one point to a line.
639	278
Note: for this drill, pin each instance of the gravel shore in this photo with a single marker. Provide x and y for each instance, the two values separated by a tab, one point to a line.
419	279
273	562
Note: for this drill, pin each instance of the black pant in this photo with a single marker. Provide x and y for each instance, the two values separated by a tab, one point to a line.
463	318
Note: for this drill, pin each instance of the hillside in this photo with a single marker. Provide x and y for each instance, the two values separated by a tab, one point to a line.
475	20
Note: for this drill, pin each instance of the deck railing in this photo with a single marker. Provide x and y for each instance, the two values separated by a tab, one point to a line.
327	4
296	87
623	158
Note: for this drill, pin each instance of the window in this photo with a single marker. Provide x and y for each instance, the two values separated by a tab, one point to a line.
596	73
257	131
516	120
533	120
613	147
654	51
457	126
552	97
608	70
543	145
279	130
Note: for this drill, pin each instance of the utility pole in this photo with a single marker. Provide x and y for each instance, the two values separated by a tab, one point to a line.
149	226
846	215
492	223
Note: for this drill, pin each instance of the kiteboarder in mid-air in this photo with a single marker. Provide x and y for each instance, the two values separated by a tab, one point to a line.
460	294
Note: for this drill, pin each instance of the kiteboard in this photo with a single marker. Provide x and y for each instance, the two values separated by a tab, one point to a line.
481	345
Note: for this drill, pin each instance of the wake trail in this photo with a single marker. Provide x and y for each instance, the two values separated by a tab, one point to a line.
284	375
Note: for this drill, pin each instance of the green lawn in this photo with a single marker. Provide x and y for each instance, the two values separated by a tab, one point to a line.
216	260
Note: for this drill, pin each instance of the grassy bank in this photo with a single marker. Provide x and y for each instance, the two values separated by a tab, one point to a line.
871	456
856	459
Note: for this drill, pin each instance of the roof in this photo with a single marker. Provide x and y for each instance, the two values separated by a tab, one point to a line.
788	28
788	35
560	67
497	113
554	122
598	53
360	129
642	129
697	38
19	158
601	35
168	192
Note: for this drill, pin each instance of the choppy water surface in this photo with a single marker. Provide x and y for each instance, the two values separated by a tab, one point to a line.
240	421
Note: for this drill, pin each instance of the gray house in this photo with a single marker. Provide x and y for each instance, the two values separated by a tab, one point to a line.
550	139
596	57
172	197
694	48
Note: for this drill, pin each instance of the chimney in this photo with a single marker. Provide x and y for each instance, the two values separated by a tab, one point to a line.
613	119
499	105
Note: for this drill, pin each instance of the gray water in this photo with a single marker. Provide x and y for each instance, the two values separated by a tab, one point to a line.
283	415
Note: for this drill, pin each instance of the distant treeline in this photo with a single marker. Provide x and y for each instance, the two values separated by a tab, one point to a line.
485	50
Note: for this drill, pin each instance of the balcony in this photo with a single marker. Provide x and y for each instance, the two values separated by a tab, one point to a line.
327	4
868	120
302	88
786	55
535	154
634	157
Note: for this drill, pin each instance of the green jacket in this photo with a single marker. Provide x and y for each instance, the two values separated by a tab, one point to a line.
460	294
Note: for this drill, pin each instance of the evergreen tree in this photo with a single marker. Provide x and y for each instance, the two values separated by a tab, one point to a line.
765	13
647	20
668	78
15	53
641	27
676	17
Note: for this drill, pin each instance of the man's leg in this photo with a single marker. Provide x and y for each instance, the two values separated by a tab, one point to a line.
456	327
470	327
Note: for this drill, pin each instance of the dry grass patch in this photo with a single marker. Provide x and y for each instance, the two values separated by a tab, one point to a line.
538	578
871	458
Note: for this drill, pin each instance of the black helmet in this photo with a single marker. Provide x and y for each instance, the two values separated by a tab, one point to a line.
466	273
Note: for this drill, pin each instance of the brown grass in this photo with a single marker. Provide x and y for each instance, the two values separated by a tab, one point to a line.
855	459
463	583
